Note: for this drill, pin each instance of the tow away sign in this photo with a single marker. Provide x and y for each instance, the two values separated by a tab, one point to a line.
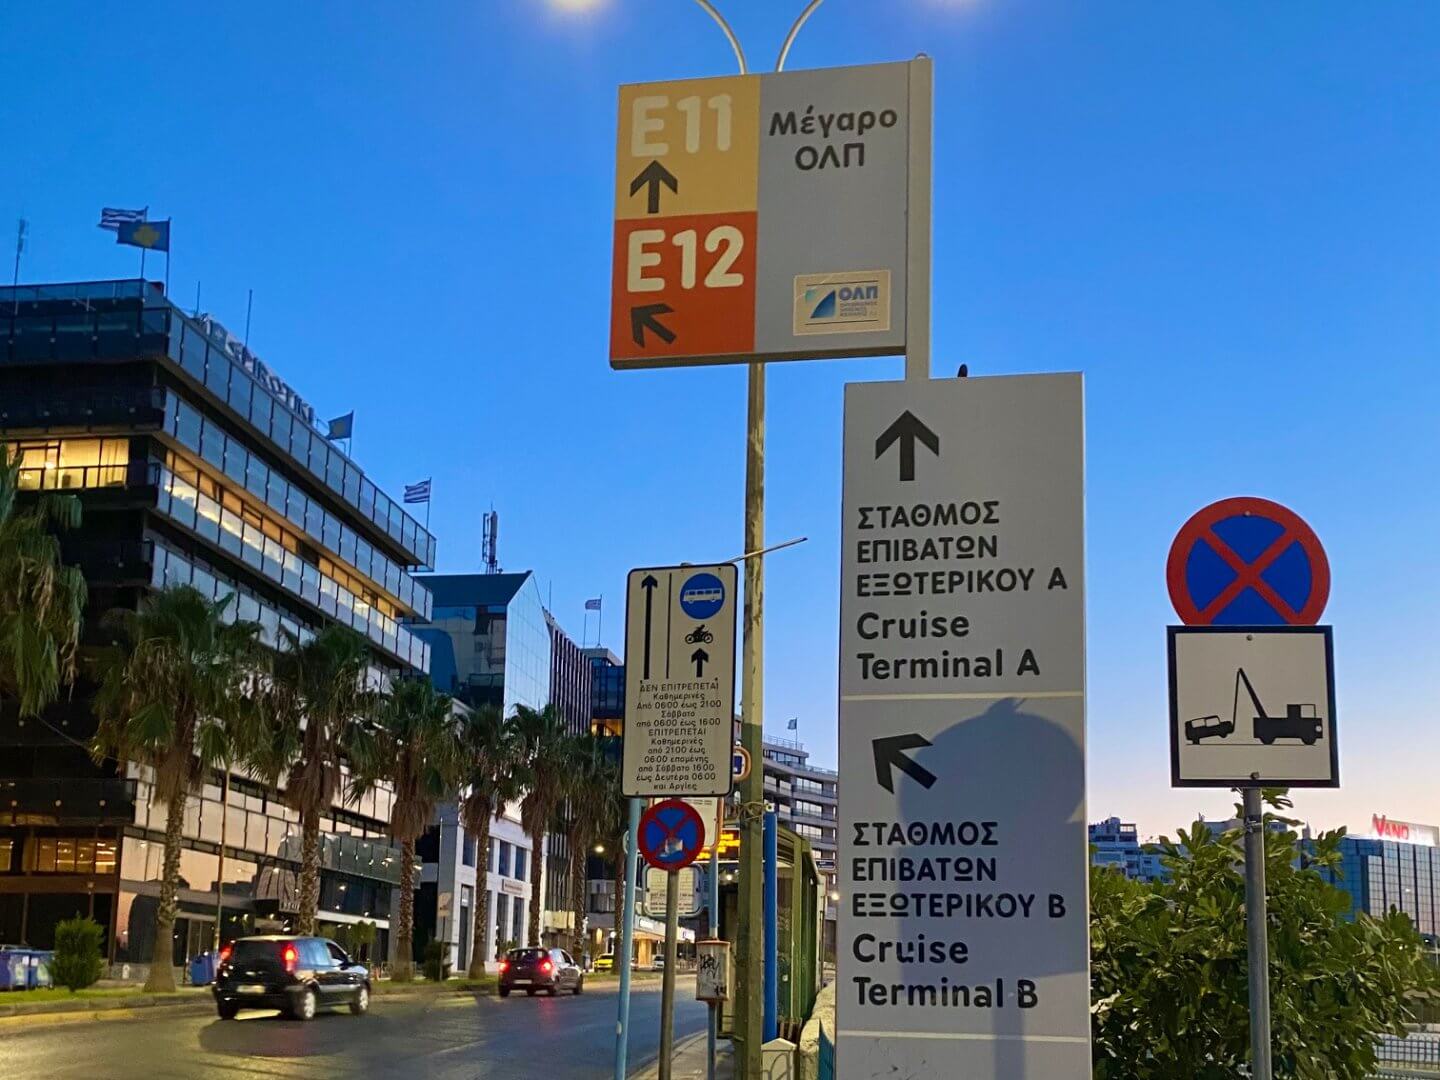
963	936
679	680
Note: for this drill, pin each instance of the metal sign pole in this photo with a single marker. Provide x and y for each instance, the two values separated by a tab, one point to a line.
627	938
713	903
1259	947
667	987
917	223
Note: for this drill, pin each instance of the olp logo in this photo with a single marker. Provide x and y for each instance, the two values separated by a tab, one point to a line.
851	302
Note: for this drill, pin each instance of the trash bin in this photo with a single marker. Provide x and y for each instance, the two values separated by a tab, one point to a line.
202	969
14	968
40	961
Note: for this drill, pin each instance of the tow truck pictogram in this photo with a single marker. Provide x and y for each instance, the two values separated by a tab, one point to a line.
1299	722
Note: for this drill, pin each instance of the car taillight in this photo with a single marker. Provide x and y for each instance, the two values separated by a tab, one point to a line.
504	966
546	966
291	957
225	952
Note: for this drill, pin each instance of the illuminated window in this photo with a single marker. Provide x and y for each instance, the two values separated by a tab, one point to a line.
71	464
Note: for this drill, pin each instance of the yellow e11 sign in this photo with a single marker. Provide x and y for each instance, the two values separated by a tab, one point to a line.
764	217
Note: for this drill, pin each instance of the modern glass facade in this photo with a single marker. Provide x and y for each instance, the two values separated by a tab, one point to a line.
195	464
1381	875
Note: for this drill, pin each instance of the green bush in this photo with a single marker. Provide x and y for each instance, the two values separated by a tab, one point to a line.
437	961
77	963
1169	978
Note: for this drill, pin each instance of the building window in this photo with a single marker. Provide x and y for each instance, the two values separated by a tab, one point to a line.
520	853
71	464
64	855
520	922
467	850
504	868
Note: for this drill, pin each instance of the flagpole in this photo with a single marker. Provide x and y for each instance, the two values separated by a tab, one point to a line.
169	232
600	620
429	494
19	247
142	264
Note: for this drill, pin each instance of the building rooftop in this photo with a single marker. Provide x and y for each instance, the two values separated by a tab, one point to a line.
473	590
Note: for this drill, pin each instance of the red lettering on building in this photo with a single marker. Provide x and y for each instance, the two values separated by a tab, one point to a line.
1395	830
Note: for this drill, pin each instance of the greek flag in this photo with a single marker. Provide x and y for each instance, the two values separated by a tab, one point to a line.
112	217
418	493
592	605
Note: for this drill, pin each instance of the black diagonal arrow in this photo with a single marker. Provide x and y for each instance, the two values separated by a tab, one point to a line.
907	430
699	656
889	755
644	318
652	176
649	585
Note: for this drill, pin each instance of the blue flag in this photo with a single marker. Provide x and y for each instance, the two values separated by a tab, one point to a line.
151	235
343	427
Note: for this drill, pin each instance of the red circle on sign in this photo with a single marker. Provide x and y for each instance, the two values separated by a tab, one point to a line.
1248	574
672	818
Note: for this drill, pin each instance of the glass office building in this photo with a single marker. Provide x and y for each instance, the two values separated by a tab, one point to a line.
1381	874
195	464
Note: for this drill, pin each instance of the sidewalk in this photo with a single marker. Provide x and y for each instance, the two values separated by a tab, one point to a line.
689	1062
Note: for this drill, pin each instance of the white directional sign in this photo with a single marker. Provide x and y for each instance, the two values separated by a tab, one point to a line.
963	937
679	680
1252	705
657	886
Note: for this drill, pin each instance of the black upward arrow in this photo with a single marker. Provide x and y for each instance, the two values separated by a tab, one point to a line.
889	754
906	430
699	656
652	176
643	318
649	585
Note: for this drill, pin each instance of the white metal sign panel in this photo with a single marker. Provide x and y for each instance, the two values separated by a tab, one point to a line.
963	936
657	886
679	680
1252	706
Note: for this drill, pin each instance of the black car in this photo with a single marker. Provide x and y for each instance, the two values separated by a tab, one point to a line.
296	975
530	970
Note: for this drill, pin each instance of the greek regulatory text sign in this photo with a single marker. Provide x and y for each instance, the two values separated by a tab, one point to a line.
1252	706
763	217
963	936
679	680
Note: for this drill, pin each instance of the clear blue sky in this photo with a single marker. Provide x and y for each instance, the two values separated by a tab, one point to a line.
1227	214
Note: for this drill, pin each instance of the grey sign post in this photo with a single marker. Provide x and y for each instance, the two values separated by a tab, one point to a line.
963	939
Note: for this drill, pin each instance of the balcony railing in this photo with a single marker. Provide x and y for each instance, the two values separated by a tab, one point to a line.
87	477
85	408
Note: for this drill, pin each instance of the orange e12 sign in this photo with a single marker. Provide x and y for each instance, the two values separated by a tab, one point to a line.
686	182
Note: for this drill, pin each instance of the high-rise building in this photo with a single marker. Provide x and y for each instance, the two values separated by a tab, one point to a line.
493	643
196	464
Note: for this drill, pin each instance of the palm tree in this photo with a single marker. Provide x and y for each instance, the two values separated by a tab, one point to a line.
42	601
490	777
413	745
176	695
595	810
319	691
544	753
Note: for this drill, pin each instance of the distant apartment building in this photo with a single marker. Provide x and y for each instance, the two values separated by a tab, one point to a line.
1116	845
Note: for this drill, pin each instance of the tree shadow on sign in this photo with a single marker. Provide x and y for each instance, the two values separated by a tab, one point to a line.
1022	769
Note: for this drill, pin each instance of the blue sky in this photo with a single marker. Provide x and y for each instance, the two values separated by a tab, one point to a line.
1224	213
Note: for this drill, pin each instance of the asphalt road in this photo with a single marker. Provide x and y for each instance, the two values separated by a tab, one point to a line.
444	1037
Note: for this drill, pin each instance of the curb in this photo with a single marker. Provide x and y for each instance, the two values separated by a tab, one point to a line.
67	1012
652	1068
